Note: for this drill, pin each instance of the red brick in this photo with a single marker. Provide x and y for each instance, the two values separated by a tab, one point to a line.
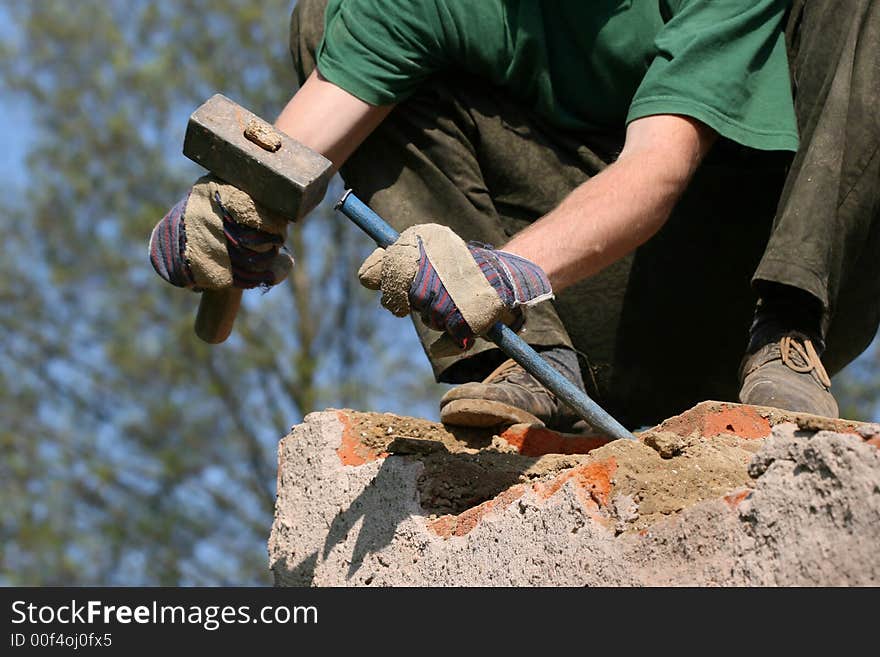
464	522
733	499
593	479
743	421
592	484
714	418
352	451
535	441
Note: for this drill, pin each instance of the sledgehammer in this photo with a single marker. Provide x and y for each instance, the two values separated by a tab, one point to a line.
277	171
291	179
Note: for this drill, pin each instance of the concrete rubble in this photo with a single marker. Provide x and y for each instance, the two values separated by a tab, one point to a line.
721	495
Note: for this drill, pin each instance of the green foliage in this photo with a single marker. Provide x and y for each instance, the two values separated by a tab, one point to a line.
133	454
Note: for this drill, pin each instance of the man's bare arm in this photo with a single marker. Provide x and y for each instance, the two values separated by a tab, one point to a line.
614	212
598	223
328	119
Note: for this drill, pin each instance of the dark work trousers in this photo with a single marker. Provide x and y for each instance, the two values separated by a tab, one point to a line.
826	234
666	327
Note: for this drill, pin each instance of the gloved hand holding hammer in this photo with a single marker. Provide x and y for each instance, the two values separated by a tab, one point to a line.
227	233
217	237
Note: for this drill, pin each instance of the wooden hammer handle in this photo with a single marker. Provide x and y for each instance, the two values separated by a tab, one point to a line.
217	311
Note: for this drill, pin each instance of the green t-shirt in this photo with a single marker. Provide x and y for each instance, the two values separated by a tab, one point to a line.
580	64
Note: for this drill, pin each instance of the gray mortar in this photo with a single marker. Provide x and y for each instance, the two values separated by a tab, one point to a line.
812	518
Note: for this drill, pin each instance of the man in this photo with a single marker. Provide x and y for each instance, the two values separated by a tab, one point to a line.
626	155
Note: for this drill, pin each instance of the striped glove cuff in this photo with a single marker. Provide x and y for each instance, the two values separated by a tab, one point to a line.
518	281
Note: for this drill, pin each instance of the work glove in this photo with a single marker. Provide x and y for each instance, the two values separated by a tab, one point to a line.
216	237
461	289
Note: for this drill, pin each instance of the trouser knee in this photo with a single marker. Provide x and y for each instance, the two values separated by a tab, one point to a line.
306	32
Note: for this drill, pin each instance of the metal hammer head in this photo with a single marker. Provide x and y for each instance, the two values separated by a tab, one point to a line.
245	151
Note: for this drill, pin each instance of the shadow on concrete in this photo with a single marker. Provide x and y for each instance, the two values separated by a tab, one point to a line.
381	513
303	574
450	483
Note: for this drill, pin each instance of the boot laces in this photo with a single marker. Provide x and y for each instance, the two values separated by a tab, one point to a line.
808	355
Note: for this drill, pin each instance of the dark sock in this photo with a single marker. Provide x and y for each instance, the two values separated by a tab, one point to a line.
782	309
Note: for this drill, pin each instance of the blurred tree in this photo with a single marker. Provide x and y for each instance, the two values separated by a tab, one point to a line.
858	387
132	453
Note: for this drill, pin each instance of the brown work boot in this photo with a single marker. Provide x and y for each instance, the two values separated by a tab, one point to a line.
787	373
509	395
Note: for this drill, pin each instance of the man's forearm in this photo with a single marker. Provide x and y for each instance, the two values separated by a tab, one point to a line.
621	208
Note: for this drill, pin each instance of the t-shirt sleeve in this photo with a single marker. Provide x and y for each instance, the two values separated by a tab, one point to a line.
380	50
724	63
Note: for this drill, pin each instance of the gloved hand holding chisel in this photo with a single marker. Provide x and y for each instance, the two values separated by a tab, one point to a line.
462	289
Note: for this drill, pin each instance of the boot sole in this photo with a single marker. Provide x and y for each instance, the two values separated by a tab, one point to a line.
484	413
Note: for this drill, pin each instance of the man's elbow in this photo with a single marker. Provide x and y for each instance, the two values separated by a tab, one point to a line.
669	145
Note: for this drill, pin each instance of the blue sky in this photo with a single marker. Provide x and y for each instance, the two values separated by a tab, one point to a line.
14	140
15	133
